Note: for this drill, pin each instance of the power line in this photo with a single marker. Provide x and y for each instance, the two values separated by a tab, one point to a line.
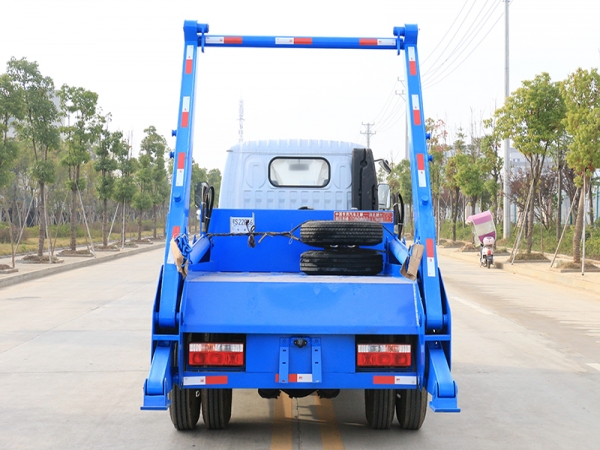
434	82
453	36
445	34
456	54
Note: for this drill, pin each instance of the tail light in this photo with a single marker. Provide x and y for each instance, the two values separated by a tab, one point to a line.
383	355
216	354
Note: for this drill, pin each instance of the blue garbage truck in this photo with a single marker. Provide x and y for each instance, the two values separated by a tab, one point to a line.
300	281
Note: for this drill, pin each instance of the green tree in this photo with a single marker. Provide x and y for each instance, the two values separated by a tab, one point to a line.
437	150
532	117
581	91
79	106
38	126
142	199
11	108
155	146
125	187
109	146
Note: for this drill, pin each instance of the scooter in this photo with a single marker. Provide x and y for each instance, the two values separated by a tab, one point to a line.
486	251
485	231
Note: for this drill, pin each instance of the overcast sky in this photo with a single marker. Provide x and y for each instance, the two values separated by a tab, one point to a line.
130	53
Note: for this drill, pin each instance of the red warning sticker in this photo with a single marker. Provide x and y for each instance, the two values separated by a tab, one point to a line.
364	216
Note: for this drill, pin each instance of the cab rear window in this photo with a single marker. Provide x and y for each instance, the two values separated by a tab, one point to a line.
299	172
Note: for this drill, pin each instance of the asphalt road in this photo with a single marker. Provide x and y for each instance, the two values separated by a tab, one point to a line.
74	352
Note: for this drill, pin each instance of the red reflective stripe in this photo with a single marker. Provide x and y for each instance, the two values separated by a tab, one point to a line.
176	231
188	66
417	117
293	378
412	66
180	160
429	245
378	379
420	161
367	42
233	40
185	118
220	379
302	41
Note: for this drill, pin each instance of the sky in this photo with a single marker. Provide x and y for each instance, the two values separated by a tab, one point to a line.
130	53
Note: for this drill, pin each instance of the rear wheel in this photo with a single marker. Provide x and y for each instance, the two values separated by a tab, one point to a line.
185	408
379	407
330	232
342	261
216	408
488	263
411	407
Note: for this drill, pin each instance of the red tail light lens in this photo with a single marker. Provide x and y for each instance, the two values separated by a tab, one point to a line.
216	354
383	355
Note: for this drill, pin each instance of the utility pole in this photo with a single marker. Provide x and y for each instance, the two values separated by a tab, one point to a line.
241	120
506	204
369	133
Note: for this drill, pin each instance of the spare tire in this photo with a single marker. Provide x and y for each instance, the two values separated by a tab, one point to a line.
342	261
331	232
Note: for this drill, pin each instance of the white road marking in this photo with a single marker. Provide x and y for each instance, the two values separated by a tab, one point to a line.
595	366
472	305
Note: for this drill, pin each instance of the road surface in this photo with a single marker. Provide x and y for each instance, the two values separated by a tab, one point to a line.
74	352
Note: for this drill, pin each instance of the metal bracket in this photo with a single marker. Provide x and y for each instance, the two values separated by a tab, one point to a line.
284	360
316	360
440	384
159	382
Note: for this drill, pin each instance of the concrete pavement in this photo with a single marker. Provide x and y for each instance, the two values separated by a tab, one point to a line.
31	271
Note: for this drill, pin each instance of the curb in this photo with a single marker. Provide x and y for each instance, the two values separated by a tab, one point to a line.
59	268
590	282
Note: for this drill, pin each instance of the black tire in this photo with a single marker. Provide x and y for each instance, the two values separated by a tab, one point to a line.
321	233
185	408
216	408
342	261
411	407
379	407
488	263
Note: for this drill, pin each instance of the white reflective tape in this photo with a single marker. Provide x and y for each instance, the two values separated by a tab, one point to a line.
214	40
189	52
284	41
386	41
179	178
415	102
430	267
405	380
422	180
411	54
186	105
304	378
189	381
170	259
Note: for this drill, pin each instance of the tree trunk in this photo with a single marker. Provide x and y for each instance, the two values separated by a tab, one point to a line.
105	223
559	204
140	225
578	230
73	221
530	217
455	213
42	211
154	221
